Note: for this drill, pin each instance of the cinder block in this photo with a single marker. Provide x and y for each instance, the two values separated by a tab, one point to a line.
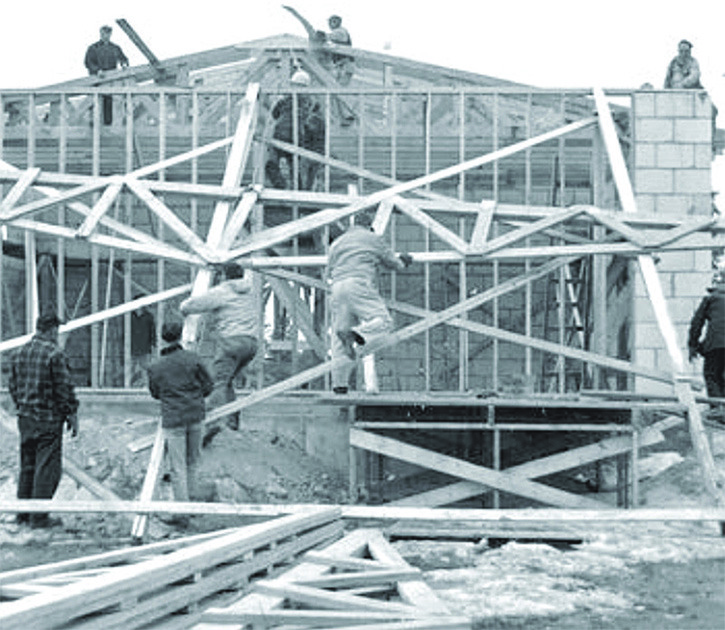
702	105
681	310
693	130
671	155
644	104
653	180
676	261
644	356
654	130
647	336
645	155
703	155
690	284
643	311
703	260
645	203
674	104
673	204
694	180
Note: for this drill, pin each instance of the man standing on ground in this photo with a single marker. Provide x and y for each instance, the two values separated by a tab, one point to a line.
44	397
359	314
711	313
102	56
181	382
234	307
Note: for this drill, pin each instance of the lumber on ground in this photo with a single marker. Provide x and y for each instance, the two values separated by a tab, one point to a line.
139	594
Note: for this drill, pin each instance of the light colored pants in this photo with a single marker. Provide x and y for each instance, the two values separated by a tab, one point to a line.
356	305
183	449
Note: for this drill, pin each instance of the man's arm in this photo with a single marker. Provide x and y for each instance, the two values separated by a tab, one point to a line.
692	80
64	392
696	324
204	303
122	59
91	61
207	384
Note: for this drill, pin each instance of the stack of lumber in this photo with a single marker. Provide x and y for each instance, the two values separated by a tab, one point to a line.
159	586
358	582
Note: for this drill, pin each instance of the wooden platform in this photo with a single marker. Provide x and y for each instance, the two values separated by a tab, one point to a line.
495	445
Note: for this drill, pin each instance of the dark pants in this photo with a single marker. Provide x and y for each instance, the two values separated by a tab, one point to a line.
40	467
107	109
713	370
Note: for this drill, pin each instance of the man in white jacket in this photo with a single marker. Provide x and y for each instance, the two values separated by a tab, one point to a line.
233	305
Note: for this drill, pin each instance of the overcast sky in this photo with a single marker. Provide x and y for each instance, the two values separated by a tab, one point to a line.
545	43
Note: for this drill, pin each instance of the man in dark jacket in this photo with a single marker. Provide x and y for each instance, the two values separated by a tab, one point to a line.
181	382
711	313
41	389
102	56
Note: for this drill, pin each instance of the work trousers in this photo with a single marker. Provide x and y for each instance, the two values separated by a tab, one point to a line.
713	370
40	466
356	305
183	450
232	355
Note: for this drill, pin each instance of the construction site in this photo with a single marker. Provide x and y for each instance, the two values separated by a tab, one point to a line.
524	450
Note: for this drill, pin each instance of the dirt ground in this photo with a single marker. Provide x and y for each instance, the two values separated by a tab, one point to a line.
648	576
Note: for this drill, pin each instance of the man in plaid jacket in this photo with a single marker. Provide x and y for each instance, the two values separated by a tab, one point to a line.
43	393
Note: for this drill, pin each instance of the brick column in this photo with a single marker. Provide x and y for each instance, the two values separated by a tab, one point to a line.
671	173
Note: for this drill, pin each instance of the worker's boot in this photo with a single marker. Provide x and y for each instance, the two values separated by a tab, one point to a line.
210	435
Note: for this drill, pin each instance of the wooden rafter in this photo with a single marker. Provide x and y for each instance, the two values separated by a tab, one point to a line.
280	234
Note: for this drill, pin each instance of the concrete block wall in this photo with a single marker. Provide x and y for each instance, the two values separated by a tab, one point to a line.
671	174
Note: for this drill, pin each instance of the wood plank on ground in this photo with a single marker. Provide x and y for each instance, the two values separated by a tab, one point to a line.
128	583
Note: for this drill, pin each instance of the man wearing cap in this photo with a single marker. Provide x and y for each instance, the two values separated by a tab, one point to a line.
683	71
233	306
710	314
41	388
310	135
180	381
101	57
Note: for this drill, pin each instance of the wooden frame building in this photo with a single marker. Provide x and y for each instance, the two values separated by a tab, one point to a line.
525	211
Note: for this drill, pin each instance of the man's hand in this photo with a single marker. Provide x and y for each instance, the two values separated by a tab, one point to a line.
406	259
693	353
72	423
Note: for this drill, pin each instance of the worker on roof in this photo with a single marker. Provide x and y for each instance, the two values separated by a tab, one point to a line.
683	71
101	57
310	135
359	315
338	33
342	64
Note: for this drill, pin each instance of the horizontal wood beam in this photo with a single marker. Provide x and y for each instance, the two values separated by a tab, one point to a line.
372	512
